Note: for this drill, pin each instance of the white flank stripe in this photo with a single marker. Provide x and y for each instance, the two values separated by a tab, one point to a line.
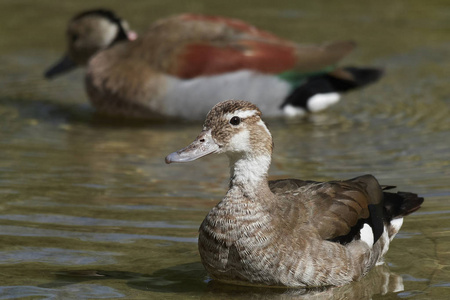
397	223
385	241
367	235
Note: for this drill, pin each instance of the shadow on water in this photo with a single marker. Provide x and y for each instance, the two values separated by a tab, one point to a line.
192	279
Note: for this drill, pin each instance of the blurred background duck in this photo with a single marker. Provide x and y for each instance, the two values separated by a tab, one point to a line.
185	64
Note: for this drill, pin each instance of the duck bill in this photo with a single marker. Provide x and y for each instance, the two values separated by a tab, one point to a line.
65	64
203	145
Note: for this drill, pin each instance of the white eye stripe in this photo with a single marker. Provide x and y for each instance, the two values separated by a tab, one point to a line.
261	123
241	114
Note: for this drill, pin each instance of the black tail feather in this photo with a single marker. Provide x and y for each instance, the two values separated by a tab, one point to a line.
355	78
387	187
338	81
401	204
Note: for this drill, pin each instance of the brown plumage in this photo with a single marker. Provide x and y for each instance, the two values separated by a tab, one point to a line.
288	232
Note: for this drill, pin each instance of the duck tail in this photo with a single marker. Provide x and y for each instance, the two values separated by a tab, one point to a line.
349	78
401	204
323	90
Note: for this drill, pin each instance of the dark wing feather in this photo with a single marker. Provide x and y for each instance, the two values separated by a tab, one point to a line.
339	209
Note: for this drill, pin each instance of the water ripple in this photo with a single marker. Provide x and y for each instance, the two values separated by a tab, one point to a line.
88	236
85	221
56	256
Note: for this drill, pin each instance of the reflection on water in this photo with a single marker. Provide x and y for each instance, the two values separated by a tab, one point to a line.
88	209
380	281
191	279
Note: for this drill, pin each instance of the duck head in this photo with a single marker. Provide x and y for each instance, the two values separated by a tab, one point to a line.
233	127
88	33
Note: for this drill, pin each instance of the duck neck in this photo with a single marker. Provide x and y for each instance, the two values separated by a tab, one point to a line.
249	174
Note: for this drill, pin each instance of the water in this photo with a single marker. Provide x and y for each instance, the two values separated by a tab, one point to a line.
88	209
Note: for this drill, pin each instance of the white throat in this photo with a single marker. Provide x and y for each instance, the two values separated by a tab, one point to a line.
249	172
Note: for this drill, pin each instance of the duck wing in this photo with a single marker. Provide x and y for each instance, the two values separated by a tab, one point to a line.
192	45
339	209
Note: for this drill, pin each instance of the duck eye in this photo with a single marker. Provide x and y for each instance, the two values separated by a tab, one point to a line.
235	121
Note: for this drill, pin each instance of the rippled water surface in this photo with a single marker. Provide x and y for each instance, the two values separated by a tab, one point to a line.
88	209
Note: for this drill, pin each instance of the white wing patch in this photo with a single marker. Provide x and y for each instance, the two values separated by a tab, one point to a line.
322	101
366	234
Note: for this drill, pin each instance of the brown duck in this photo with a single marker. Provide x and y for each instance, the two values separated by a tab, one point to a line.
184	63
288	232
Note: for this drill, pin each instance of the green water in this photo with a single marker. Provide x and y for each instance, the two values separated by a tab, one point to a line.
89	210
